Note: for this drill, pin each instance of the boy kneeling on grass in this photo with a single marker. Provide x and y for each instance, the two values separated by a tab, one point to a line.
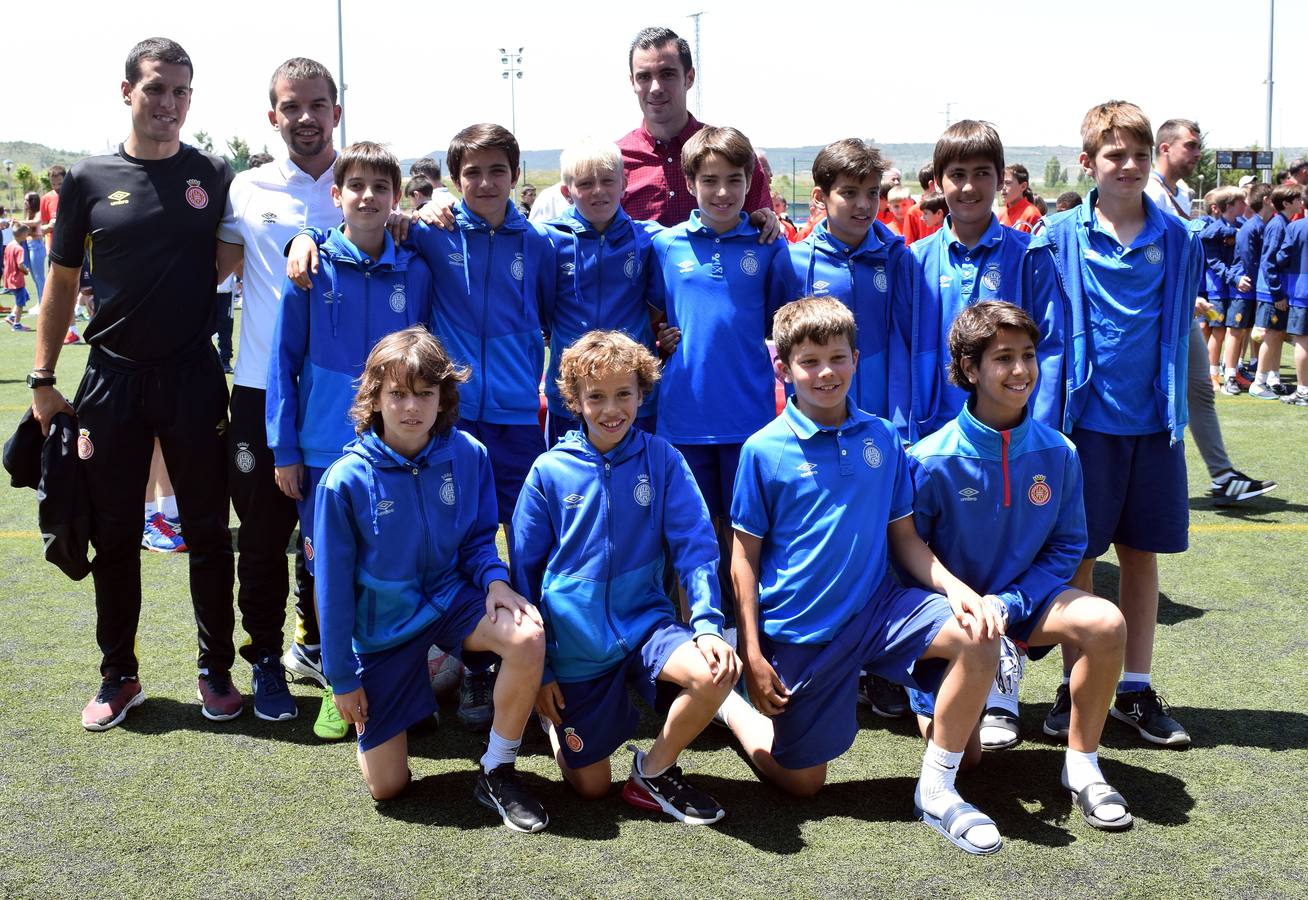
588	536
404	528
999	501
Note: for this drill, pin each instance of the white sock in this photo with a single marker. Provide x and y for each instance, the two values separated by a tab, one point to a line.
640	767
499	751
1142	677
151	508
1260	378
1273	378
936	792
168	506
1081	769
1214	370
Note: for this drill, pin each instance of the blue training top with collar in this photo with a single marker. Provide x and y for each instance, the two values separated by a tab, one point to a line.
1222	269
1271	281
588	537
602	281
323	337
396	540
1292	262
1248	251
1064	240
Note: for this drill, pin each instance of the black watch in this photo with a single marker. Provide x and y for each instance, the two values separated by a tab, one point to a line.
35	381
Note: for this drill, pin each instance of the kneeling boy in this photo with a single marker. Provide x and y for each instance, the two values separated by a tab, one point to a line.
588	532
995	478
821	495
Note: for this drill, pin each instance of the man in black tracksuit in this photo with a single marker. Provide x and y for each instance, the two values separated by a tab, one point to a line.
146	216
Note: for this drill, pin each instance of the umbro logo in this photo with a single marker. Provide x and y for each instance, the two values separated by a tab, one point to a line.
332	296
968	493
820	287
269	218
456	259
686	266
118	198
573	501
806	469
568	268
385	507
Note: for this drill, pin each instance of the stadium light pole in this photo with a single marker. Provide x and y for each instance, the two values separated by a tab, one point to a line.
1271	45
340	67
699	81
512	63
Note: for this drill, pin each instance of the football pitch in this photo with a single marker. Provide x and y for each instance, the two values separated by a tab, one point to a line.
170	804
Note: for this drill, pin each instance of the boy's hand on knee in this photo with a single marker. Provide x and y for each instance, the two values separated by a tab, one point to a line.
289	479
500	596
973	611
767	691
353	707
722	661
549	700
302	261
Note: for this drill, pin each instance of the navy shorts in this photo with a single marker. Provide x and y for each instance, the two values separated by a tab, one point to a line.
1240	312
714	467
598	714
312	475
397	680
1269	317
887	638
1135	491
20	297
512	450
1296	321
556	426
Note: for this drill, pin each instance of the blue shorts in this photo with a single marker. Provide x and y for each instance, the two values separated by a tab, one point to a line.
1296	321
714	467
512	450
397	681
1269	317
20	297
598	714
1135	491
312	475
1239	312
556	426
887	638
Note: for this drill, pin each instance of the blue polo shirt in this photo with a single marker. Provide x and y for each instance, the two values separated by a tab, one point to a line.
718	386
1124	286
820	498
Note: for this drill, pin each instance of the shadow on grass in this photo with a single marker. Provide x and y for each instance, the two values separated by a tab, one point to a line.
162	715
1108	578
1260	510
1266	729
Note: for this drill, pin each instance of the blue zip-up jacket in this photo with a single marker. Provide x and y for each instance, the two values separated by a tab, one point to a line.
950	277
1064	241
322	339
1271	284
1003	510
1292	262
495	290
1222	268
868	279
396	540
588	538
1248	250
602	282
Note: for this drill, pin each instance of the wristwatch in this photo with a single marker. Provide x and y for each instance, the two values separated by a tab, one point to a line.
35	381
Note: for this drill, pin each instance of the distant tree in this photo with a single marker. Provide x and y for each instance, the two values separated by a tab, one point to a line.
1083	179
45	183
239	149
1053	172
26	178
203	141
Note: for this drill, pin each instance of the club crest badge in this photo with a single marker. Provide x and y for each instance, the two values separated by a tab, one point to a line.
879	279
1154	254
447	489
517	267
308	549
749	263
85	449
244	459
991	278
397	298
1039	493
871	454
573	740
631	267
643	492
195	194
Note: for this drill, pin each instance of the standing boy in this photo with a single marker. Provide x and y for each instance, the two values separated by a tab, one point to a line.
15	276
1288	201
1224	277
1292	266
1241	310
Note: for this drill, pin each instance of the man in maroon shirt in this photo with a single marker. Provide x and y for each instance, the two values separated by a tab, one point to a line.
661	73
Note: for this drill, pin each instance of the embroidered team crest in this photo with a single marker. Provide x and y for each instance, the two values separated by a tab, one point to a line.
1039	493
871	454
749	263
244	459
456	259
1238	318
573	740
308	549
643	492
397	298
195	194
517	267
447	489
85	449
269	218
879	279
991	278
631	267
1154	254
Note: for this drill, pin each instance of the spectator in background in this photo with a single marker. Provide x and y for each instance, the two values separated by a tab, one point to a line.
35	243
914	229
782	209
259	159
418	191
50	202
1019	209
1067	200
526	197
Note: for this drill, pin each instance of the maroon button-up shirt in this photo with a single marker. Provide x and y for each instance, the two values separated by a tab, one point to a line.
656	185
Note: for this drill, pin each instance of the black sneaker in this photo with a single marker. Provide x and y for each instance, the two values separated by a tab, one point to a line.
477	700
1237	487
1280	389
671	793
1150	715
1059	718
502	790
887	699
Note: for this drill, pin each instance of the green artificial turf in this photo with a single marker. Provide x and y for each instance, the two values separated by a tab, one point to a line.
170	804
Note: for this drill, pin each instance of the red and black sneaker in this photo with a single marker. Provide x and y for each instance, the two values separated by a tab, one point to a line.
220	698
110	704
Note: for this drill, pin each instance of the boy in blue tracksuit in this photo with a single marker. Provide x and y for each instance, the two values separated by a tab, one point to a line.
859	261
1128	274
405	532
1224	276
972	258
603	270
1273	305
1241	309
1292	265
365	289
996	478
589	529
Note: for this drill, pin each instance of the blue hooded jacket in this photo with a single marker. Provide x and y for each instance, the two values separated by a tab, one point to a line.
1292	262
588	538
1271	283
323	337
396	540
1064	240
1248	250
1222	269
602	282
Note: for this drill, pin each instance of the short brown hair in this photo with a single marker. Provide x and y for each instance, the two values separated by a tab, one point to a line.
816	319
856	160
968	139
367	155
974	329
1258	195
156	49
479	138
599	354
1172	129
406	356
1284	194
301	68
933	201
1116	115
728	143
56	169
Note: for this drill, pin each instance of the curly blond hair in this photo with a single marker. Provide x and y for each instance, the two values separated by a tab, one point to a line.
599	354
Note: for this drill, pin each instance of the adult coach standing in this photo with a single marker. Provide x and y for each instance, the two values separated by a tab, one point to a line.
265	209
149	213
1178	147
